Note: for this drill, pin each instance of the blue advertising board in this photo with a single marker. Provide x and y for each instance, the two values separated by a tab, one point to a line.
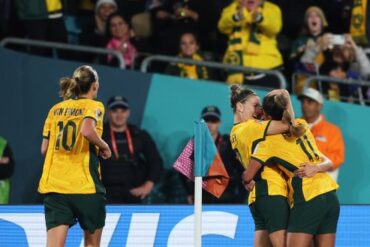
167	226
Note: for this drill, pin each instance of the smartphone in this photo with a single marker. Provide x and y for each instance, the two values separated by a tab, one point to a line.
338	40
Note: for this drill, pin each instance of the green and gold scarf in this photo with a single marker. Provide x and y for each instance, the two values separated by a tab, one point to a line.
358	27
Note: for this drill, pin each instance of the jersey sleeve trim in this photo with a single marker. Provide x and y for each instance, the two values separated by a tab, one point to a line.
254	145
96	121
258	160
290	167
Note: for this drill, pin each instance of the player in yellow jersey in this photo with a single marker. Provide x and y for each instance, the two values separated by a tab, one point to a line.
268	200
315	206
71	175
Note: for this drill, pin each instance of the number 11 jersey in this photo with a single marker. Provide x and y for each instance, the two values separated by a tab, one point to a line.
289	153
71	164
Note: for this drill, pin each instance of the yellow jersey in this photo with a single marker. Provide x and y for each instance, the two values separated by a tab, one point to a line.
289	153
53	6
244	138
71	164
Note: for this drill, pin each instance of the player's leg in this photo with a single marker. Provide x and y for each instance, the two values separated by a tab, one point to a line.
278	238
318	216
92	239
90	212
304	219
326	232
325	240
261	239
295	239
58	218
276	213
261	235
56	236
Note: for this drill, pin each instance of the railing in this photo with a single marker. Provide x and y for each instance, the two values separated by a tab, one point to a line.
321	78
55	45
146	62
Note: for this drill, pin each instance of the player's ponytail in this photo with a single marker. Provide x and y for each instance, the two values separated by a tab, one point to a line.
80	83
296	130
276	106
68	88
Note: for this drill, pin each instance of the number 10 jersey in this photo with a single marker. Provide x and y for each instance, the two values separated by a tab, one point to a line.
71	164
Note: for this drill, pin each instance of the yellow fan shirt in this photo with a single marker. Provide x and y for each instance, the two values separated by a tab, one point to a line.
71	164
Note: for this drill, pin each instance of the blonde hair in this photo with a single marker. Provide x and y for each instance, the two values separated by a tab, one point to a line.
80	82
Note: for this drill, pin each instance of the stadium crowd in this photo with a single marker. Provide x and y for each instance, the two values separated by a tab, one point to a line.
298	38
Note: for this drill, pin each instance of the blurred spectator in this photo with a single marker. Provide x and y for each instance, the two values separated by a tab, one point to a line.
235	192
304	57
43	20
337	65
119	33
343	60
252	27
171	18
94	34
328	136
189	48
135	166
356	55
6	170
359	64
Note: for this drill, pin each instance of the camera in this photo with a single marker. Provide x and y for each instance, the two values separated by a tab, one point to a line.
338	40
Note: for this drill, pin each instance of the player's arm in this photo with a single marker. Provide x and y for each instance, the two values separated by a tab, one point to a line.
251	171
44	146
309	170
46	133
88	130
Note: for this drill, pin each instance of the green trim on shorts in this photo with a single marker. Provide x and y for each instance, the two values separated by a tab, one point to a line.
317	216
270	213
68	209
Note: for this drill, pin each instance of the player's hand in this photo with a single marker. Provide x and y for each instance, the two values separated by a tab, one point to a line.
279	91
105	152
249	186
307	170
143	190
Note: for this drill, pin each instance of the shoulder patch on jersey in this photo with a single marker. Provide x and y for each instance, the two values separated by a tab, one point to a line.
98	113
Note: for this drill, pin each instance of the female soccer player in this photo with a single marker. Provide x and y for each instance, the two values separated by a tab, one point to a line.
268	199
71	176
315	206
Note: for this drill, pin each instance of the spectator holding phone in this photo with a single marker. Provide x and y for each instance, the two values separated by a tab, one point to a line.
305	49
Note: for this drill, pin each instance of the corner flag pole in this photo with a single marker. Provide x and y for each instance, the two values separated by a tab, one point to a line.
198	167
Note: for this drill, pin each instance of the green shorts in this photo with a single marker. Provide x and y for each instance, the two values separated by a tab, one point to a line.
317	216
67	209
270	213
